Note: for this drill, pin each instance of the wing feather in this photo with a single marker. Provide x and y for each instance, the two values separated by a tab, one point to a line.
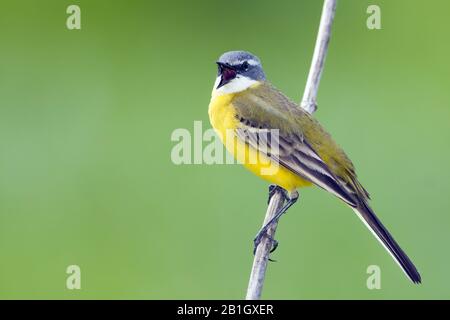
296	156
299	143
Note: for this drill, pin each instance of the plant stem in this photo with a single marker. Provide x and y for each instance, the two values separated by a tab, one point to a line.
308	103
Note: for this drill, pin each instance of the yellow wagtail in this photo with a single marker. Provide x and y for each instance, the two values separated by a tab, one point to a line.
246	105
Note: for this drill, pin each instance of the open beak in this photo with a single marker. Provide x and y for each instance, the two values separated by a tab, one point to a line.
227	73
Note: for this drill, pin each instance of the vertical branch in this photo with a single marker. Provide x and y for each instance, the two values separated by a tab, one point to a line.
318	60
260	261
262	252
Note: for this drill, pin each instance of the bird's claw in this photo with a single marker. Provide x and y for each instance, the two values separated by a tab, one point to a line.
274	246
257	241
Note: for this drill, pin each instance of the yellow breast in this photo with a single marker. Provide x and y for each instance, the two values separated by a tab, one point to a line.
222	115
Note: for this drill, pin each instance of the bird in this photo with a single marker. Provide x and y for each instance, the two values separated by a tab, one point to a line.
285	145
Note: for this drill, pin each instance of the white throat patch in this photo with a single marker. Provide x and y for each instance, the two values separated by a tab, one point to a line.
238	84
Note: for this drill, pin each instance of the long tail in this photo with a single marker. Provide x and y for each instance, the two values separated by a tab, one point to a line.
374	224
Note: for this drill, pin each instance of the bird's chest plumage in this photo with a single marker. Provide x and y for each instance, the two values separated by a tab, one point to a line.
222	115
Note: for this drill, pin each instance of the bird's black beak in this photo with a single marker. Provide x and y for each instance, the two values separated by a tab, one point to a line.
226	72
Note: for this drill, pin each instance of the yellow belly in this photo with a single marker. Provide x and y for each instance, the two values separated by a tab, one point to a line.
222	117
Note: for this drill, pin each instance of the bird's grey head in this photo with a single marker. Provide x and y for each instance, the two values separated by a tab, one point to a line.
237	70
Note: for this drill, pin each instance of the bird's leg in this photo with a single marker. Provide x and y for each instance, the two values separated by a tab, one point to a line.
291	199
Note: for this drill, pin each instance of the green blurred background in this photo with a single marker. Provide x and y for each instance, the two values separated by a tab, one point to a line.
86	176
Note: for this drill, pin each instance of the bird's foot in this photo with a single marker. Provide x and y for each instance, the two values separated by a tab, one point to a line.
261	234
291	199
273	188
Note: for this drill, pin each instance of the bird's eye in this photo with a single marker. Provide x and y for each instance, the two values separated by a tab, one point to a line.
245	65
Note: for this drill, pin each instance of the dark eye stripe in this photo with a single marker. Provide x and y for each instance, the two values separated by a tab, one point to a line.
244	66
